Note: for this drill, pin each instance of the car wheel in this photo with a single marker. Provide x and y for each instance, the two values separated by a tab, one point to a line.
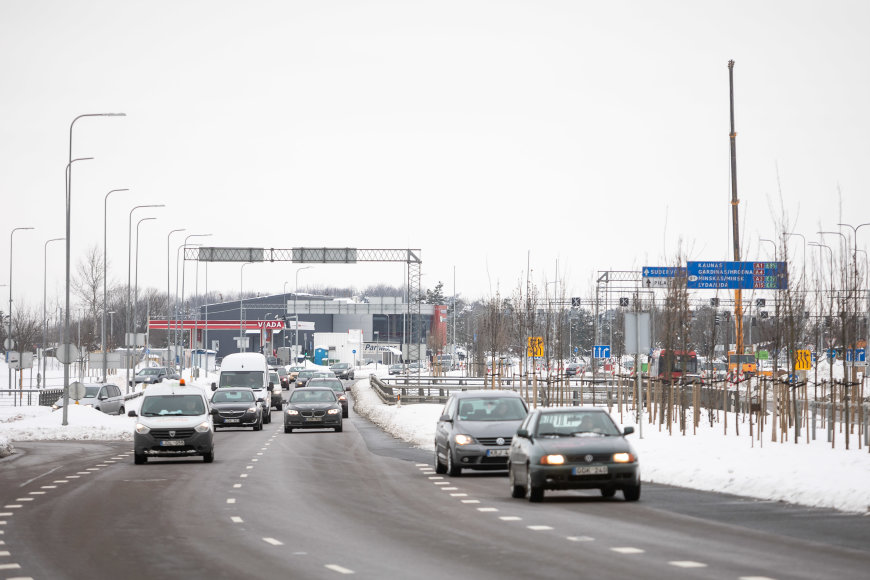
121	411
139	459
535	494
632	493
439	467
268	417
517	491
288	430
608	492
279	406
339	428
208	457
453	470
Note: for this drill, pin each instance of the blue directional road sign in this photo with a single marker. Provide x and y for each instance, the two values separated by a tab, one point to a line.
737	275
659	276
860	356
601	351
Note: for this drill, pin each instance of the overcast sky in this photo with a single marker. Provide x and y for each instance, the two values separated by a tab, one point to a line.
589	134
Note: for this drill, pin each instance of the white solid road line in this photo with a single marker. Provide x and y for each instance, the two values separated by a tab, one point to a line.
339	569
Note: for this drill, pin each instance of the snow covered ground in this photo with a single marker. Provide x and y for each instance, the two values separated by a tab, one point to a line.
809	474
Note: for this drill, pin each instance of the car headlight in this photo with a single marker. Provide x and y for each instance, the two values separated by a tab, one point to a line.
553	460
91	406
55	407
292	412
462	439
333	412
624	458
342	398
252	409
203	427
142	429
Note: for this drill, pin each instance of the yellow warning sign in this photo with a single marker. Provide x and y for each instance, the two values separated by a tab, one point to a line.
803	360
536	346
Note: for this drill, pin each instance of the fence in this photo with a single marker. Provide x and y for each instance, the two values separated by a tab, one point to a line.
40	397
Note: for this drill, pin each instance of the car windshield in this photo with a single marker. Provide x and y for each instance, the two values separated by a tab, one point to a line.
91	392
232	397
274	377
492	409
159	405
250	379
575	424
296	369
312	397
341	366
149	372
333	384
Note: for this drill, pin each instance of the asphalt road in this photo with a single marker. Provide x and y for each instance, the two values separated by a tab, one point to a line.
321	504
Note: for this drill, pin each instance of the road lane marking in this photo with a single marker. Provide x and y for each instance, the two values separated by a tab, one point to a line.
249	467
237	485
441	483
93	469
273	541
260	453
539	528
12	506
3	514
755	578
448	488
627	550
107	461
255	459
244	475
339	569
459	495
422	465
580	539
37	493
470	501
487	509
687	564
72	476
23	499
60	481
236	520
49	487
83	472
10	567
102	465
435	477
231	500
5	553
510	518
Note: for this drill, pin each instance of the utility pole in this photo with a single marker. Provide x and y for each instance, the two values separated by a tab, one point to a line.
738	302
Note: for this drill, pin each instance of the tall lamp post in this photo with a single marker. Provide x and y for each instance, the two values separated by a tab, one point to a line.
168	295
68	193
179	260
242	306
127	358
9	334
296	311
136	274
44	300
105	290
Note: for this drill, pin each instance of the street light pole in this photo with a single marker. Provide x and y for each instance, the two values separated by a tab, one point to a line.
68	196
242	306
127	306
284	332
105	291
9	334
168	295
183	262
44	300
136	275
296	311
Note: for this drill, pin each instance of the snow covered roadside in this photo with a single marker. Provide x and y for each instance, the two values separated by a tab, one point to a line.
813	475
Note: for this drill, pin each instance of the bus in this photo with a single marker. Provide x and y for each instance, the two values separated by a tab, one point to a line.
683	364
742	364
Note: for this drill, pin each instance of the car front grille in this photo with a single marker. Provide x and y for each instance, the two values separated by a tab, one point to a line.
491	441
596	458
312	413
231	413
179	433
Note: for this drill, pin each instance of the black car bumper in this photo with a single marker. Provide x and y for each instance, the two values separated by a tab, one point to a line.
236	420
158	442
301	422
618	476
481	457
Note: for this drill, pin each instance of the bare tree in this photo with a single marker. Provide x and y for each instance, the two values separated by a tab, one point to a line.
88	287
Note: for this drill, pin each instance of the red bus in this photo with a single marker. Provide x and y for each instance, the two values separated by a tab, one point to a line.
683	364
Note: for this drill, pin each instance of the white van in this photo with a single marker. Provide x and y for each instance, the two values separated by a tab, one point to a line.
248	369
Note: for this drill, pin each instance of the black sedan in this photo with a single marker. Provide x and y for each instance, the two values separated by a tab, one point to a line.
303	377
337	387
312	408
572	448
343	370
236	408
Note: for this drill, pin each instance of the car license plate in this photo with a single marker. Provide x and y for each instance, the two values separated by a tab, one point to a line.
231	420
591	470
314	418
172	443
497	452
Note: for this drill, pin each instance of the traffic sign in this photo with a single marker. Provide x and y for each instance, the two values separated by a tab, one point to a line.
803	360
860	357
737	275
67	353
660	276
8	343
76	390
601	351
535	346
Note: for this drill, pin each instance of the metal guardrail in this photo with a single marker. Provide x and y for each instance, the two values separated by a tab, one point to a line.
40	397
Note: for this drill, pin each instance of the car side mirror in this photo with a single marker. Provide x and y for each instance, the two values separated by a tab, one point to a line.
347	388
628	431
102	397
271	384
261	400
132	414
214	412
446	418
523	433
213	387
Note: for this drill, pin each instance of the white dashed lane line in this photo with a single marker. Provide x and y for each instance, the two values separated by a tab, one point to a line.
339	569
627	550
510	518
237	485
687	564
580	539
236	520
470	501
487	509
48	487
539	528
458	495
273	541
10	567
231	500
244	475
